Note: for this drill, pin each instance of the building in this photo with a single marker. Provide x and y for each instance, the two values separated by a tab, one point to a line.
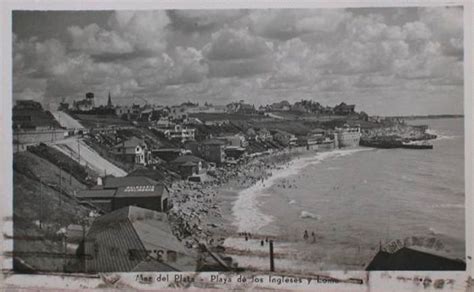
300	107
344	109
318	139
128	112
285	138
188	165
347	136
27	104
237	140
86	104
180	133
212	150
29	114
179	112
166	154
164	123
33	125
146	115
251	134
113	193
263	135
122	111
240	107
282	106
134	239
207	108
100	198
219	123
133	150
413	259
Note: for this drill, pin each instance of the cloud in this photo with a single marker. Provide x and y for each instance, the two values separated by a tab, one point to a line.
285	24
37	59
230	44
97	41
372	81
416	31
202	20
145	30
189	66
238	53
446	24
257	55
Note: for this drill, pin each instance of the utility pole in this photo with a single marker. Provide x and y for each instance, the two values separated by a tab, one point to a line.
79	151
65	251
272	264
60	185
41	204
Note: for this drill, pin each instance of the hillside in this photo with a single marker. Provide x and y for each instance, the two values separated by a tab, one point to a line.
39	197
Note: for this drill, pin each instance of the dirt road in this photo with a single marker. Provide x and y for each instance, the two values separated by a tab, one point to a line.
81	152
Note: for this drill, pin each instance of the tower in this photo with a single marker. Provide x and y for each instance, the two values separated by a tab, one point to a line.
109	102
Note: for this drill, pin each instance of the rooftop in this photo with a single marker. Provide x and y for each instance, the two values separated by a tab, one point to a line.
213	142
128	228
409	259
130	143
96	193
111	182
186	158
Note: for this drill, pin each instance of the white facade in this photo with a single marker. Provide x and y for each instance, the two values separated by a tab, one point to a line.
347	136
180	133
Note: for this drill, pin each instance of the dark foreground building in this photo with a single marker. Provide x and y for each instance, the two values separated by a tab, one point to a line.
409	259
134	239
116	192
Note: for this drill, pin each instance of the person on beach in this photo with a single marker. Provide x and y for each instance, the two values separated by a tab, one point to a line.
313	236
305	235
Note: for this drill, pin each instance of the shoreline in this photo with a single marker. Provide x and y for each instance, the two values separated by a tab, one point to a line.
245	210
249	198
203	213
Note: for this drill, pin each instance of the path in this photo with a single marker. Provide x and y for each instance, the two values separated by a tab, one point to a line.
272	115
66	120
74	148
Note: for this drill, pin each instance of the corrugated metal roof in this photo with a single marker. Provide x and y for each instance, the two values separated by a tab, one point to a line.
153	266
109	242
112	236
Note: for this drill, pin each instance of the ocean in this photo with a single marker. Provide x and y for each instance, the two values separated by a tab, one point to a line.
354	201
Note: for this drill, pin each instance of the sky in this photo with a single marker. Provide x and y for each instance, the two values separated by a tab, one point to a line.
387	61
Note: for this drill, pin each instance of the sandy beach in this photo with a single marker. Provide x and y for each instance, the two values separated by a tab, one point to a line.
206	212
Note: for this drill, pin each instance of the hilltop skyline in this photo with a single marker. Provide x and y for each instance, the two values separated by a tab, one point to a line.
387	61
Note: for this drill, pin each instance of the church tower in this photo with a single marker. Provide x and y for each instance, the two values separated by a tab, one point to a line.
109	102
